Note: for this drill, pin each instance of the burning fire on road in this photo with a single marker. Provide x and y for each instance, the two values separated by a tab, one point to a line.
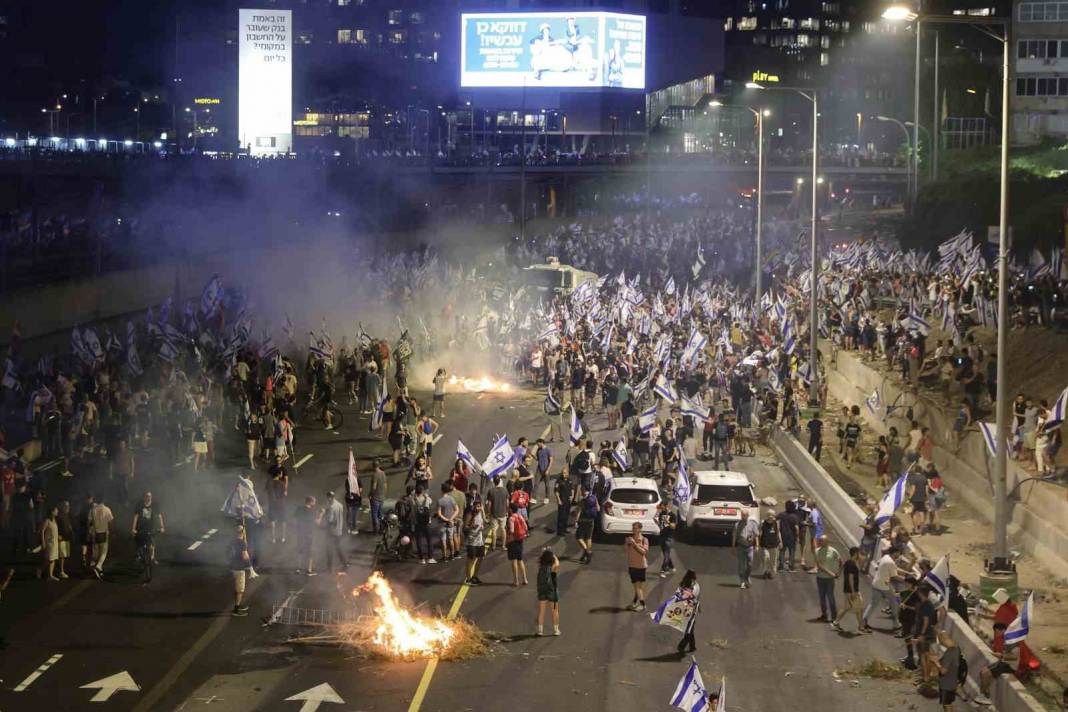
400	633
485	384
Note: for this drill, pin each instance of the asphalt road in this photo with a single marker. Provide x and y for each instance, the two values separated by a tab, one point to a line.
175	642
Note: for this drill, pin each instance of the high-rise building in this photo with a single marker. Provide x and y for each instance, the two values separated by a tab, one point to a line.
1040	71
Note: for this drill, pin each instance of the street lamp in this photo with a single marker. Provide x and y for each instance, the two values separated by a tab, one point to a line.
908	157
1001	566
758	261
813	327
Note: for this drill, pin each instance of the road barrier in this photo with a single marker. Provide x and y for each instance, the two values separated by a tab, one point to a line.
845	516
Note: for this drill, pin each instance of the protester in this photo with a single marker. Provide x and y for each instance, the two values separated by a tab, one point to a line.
516	535
548	589
744	540
637	546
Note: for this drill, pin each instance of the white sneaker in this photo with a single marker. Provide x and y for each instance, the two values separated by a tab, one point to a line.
982	700
537	630
422	561
432	561
556	630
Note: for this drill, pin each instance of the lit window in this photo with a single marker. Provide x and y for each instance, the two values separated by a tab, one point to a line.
396	17
825	42
343	3
416	18
804	40
361	37
344	36
397	37
747	23
825	59
728	24
810	23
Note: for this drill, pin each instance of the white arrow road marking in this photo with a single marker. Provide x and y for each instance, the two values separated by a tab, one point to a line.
302	460
108	686
32	677
316	696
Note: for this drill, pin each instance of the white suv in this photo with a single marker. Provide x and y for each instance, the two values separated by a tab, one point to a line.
717	501
631	499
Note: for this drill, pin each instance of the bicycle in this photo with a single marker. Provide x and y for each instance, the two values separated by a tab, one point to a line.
144	554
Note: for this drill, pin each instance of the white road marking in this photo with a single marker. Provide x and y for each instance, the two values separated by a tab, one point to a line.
212	531
195	545
316	696
32	677
108	686
304	459
204	538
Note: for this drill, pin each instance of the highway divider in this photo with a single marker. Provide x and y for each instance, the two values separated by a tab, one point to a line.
845	517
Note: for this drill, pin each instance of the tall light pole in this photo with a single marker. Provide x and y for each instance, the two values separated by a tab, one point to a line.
813	327
758	262
930	140
1001	565
908	151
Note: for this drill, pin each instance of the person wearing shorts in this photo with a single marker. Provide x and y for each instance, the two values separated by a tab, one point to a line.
589	506
517	533
239	564
447	515
637	547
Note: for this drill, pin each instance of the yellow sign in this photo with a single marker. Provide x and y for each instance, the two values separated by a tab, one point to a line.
759	76
207	100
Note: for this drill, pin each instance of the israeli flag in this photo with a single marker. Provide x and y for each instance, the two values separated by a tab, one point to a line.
700	263
694	409
133	359
552	405
938	578
669	288
242	502
677	611
892	500
873	401
789	343
500	458
462	453
989	437
548	332
682	491
665	390
694	344
690	694
379	415
575	431
647	419
168	351
621	456
1019	629
916	322
773	381
1056	416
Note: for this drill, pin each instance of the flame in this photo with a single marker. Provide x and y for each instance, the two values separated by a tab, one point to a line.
480	385
400	633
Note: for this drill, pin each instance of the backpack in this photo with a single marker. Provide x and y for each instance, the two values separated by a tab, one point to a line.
581	463
519	526
422	513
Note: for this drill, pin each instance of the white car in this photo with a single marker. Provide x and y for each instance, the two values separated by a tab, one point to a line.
717	500
631	499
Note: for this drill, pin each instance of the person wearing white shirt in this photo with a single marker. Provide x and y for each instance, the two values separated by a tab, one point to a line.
882	589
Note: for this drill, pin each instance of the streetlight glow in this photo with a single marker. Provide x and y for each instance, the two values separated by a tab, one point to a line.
899	13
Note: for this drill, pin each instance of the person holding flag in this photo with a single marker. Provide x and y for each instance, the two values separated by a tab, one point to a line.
680	611
691	694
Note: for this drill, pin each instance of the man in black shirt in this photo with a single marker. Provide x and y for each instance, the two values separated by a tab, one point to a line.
788	532
815	436
924	630
851	589
564	494
667	521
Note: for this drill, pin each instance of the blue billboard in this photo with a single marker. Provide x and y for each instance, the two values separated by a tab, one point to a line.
552	49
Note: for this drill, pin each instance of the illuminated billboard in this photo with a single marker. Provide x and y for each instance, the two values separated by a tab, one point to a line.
265	81
552	49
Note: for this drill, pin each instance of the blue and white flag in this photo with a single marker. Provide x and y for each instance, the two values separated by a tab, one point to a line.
168	351
915	322
462	453
211	297
1056	415
988	431
690	694
575	430
379	414
695	409
669	288
665	390
694	345
647	419
1020	628
938	578
789	342
620	455
549	332
873	402
242	502
133	359
681	491
677	611
11	376
500	458
700	263
892	500
552	404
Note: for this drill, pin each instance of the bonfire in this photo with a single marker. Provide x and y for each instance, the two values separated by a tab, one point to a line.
485	384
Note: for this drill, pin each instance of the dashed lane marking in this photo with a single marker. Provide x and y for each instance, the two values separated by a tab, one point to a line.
32	677
302	460
196	544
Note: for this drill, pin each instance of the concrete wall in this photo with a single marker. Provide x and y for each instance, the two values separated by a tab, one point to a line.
1038	516
843	514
